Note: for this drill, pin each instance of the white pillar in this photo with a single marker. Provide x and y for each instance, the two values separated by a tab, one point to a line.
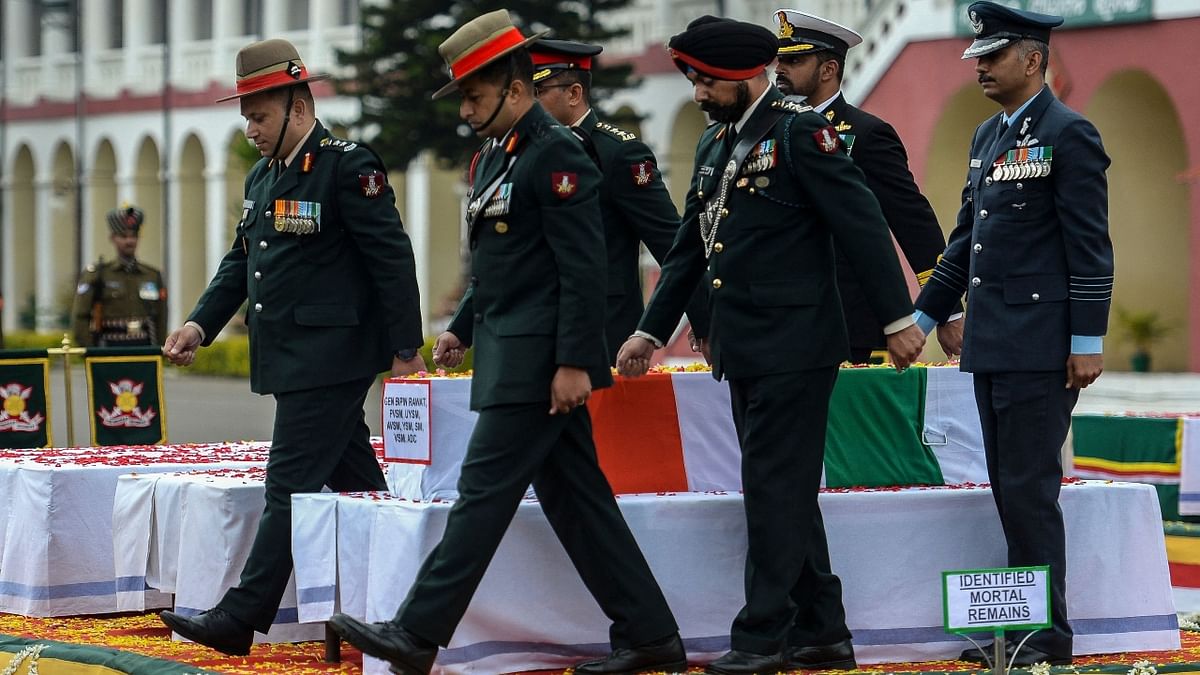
17	29
43	187
417	223
9	277
274	20
137	35
173	222
216	241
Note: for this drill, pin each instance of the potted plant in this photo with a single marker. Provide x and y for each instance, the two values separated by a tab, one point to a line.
1143	329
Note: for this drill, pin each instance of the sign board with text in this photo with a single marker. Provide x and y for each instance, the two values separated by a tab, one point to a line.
1013	598
407	436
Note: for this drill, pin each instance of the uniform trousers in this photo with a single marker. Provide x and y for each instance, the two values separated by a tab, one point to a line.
1025	417
792	597
511	447
320	438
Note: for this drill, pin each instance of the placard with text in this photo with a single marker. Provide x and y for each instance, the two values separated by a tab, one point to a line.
407	436
1012	598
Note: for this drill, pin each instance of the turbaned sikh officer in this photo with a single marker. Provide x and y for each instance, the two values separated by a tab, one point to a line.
635	206
322	259
1031	252
812	59
772	191
534	312
121	302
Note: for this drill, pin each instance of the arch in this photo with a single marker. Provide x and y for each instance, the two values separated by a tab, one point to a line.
21	282
148	196
680	158
1149	213
102	196
628	119
192	226
947	160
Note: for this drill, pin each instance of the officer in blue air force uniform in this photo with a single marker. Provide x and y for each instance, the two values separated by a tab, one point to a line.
1032	253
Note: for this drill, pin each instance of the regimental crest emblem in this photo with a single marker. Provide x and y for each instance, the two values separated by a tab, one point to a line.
294	70
15	416
827	140
643	173
564	183
372	184
126	413
976	23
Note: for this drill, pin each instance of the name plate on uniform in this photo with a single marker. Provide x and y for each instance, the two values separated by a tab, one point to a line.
996	599
405	424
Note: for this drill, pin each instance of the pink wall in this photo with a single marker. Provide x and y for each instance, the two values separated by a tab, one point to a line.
1168	51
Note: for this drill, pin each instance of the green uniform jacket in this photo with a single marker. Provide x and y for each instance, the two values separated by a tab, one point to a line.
635	208
132	302
325	306
773	299
536	294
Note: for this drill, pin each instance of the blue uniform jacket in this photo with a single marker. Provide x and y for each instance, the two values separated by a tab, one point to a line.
1031	248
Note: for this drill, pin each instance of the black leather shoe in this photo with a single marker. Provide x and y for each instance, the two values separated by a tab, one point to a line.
746	663
837	656
974	655
215	628
1028	656
408	654
666	655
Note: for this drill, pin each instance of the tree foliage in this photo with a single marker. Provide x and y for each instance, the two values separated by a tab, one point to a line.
398	68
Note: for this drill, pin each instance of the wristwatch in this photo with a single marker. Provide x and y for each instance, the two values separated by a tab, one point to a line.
406	354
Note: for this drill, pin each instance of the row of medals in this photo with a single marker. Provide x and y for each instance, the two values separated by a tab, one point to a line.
295	224
1021	171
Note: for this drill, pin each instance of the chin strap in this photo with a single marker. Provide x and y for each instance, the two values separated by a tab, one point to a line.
287	115
503	95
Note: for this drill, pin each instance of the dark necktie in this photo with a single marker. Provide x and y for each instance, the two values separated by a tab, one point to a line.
1000	129
730	137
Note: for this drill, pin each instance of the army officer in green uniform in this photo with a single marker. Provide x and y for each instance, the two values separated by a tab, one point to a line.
322	259
121	302
772	191
534	313
635	206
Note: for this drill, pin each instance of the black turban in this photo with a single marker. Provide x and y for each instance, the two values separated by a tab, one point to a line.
125	219
723	49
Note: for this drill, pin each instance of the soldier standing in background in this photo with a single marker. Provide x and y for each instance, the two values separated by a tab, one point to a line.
121	302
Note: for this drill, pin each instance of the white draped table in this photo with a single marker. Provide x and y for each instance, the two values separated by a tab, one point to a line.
360	553
56	521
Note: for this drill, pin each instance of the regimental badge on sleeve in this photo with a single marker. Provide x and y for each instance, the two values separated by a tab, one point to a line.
827	140
372	183
564	183
643	173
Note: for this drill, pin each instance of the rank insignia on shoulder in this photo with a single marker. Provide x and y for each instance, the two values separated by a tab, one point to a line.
843	126
790	106
330	143
643	173
616	131
827	140
372	184
564	183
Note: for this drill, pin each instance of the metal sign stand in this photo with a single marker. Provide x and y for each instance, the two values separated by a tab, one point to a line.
67	351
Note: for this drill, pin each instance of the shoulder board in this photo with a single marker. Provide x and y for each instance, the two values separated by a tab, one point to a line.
615	131
91	268
339	144
790	106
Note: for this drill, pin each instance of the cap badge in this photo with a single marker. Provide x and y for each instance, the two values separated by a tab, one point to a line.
785	28
294	70
976	23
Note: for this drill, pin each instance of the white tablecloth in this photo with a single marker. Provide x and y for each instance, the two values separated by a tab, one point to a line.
190	534
56	510
361	554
